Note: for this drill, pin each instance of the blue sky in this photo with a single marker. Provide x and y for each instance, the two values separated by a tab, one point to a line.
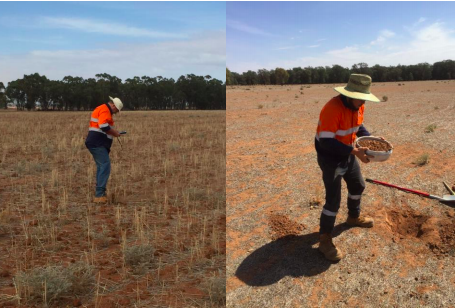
124	39
291	34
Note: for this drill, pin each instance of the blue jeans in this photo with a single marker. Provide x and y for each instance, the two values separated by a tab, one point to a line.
103	169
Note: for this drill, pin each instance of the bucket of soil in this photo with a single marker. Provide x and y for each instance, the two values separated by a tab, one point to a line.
378	148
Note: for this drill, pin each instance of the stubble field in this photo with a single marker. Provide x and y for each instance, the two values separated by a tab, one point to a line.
160	242
275	196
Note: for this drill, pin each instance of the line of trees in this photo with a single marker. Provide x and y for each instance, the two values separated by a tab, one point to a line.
139	93
337	74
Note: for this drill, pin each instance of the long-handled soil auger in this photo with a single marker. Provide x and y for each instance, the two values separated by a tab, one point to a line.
121	133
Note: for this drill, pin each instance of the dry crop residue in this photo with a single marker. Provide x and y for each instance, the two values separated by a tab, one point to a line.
160	242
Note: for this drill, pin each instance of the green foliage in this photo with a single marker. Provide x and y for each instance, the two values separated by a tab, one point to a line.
430	128
281	76
337	74
75	93
228	77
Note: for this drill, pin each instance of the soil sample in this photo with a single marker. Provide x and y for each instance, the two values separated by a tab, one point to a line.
375	145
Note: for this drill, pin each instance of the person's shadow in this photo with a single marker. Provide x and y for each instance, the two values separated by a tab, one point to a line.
291	255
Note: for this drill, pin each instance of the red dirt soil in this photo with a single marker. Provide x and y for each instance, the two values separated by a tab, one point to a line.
404	260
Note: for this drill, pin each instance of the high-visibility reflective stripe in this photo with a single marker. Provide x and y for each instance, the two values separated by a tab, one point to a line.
329	213
94	129
348	131
354	197
94	120
104	125
326	135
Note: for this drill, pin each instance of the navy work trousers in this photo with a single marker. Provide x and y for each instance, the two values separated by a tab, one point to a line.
332	175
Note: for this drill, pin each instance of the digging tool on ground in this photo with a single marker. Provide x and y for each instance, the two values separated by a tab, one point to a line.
446	199
448	188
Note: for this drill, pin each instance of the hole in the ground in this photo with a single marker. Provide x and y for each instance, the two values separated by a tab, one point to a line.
407	222
437	233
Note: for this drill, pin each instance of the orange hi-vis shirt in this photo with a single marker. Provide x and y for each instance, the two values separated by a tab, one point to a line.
101	120
339	122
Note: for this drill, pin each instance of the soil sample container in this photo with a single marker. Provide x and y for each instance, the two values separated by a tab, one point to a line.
378	148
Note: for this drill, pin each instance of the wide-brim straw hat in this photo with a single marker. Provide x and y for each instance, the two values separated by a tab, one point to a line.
117	102
358	87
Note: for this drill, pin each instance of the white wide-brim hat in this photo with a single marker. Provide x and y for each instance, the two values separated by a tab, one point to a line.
117	102
358	87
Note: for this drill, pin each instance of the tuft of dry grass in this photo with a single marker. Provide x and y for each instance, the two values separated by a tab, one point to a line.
422	160
430	128
216	288
52	283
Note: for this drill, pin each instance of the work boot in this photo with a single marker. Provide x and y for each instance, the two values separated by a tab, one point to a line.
328	249
362	221
102	199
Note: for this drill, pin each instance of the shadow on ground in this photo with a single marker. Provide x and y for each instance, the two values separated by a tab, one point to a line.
291	255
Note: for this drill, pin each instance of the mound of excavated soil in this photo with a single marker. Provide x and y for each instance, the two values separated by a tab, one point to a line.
438	234
281	226
375	145
447	244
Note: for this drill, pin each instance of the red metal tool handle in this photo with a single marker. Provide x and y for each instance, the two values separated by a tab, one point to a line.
420	193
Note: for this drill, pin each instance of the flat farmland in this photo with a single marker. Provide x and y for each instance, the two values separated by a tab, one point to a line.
159	242
275	196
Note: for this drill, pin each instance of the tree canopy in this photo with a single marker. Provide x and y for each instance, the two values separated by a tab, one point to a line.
337	74
139	93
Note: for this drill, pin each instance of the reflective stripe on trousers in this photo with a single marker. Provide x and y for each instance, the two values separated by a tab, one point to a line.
332	176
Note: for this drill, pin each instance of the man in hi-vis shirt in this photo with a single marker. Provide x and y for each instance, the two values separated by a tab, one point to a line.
99	141
340	122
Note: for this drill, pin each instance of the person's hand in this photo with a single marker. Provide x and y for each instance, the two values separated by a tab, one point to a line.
361	154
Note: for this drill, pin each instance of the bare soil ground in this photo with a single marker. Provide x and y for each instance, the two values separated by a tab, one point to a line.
406	260
160	242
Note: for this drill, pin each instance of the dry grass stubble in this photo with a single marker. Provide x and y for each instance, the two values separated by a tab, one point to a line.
158	241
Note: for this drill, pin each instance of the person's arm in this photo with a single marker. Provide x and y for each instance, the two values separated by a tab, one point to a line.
104	124
335	146
113	132
362	132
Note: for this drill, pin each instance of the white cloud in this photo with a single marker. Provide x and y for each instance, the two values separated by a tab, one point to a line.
238	25
203	55
111	28
286	47
313	46
432	43
383	36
